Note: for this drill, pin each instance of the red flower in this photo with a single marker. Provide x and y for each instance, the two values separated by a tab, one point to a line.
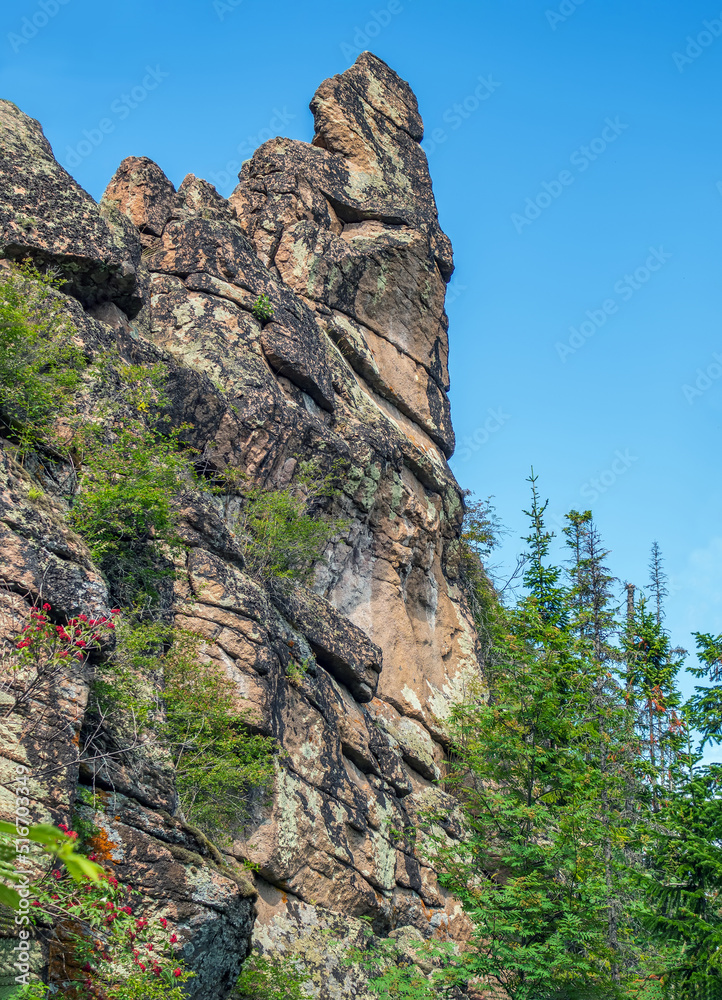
111	625
79	657
82	618
126	909
115	611
141	966
63	654
163	922
176	973
173	938
35	903
150	947
81	643
47	607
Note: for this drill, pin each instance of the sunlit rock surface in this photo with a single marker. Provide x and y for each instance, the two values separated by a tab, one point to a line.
343	236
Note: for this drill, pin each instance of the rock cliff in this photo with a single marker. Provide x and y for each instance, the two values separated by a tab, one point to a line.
343	237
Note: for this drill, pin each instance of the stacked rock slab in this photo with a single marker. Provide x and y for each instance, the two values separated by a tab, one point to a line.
343	237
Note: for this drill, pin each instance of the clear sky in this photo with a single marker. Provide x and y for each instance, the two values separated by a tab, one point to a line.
576	153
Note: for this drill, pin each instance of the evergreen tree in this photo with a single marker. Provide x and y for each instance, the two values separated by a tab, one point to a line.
653	666
657	581
591	591
540	579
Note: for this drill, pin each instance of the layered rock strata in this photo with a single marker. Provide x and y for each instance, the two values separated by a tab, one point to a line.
343	237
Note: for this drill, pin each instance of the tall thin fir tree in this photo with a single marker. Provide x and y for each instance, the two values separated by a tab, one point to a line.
657	581
540	579
595	624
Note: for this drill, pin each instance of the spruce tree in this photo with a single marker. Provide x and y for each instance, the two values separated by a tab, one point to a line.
541	579
657	581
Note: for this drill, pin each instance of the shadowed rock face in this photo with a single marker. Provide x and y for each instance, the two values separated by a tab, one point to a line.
343	237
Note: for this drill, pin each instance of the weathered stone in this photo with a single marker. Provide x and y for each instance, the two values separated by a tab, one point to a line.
340	647
142	192
355	675
46	215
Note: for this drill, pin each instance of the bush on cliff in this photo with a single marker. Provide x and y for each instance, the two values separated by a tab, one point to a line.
283	532
40	366
157	684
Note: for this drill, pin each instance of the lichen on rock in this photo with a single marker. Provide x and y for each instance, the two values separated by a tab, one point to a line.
343	236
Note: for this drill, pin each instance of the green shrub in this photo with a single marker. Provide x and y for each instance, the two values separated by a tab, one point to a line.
133	479
219	763
272	978
262	309
157	681
283	532
40	367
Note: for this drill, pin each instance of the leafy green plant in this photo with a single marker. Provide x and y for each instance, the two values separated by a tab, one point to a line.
134	477
158	681
40	366
53	842
220	765
283	532
262	309
395	973
272	977
297	671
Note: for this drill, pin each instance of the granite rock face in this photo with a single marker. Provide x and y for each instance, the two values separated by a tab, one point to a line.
343	237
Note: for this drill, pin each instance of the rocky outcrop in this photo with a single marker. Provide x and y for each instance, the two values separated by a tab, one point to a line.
343	237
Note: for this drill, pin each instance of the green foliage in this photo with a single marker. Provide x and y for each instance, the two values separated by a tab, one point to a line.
479	536
157	681
531	873
133	479
40	367
683	885
705	705
129	472
297	671
53	842
395	973
219	763
545	768
262	309
542	580
272	977
283	532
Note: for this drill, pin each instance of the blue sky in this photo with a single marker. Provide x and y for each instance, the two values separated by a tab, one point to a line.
583	197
